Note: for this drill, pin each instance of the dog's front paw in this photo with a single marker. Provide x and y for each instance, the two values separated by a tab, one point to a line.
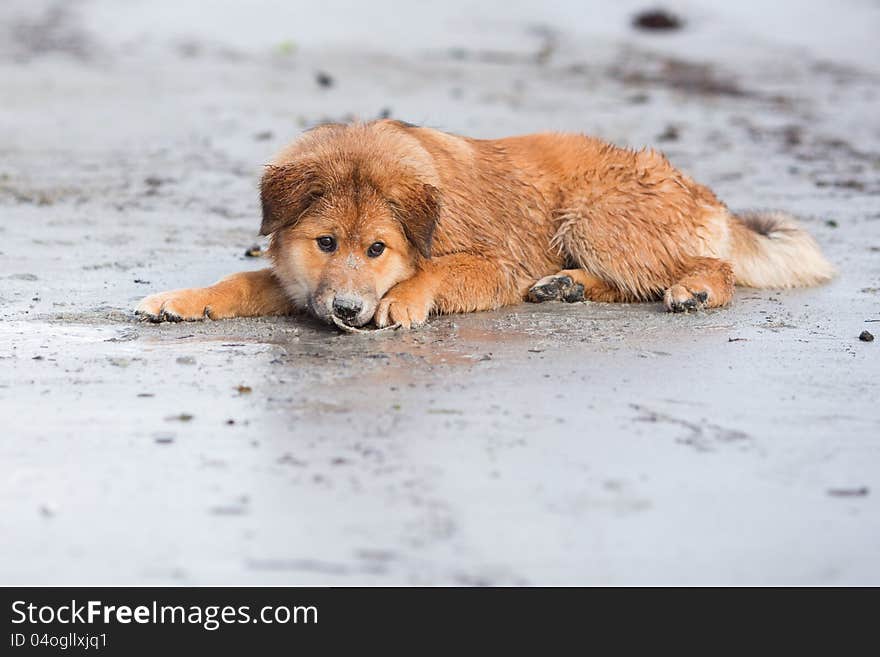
176	306
405	304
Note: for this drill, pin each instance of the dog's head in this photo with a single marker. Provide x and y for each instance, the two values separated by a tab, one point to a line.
351	211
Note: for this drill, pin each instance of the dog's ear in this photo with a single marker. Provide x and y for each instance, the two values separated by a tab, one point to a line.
286	192
417	208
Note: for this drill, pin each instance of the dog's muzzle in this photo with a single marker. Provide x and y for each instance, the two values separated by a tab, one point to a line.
347	309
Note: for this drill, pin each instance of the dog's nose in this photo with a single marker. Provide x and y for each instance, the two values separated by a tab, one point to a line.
346	309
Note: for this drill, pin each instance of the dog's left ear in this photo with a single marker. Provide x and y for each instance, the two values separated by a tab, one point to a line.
417	207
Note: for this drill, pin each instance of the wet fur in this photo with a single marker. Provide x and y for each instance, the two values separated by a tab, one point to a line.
476	224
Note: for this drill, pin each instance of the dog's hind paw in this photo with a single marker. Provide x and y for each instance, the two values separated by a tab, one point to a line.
679	299
556	288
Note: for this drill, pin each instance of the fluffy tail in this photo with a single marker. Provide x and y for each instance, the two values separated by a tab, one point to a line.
770	249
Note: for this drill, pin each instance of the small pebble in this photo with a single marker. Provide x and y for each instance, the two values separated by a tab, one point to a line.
865	336
861	491
657	19
671	133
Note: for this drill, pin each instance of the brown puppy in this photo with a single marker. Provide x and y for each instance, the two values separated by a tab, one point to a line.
391	222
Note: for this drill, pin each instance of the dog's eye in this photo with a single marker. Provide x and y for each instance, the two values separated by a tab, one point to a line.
326	243
376	249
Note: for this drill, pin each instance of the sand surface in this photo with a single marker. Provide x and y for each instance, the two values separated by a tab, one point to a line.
552	444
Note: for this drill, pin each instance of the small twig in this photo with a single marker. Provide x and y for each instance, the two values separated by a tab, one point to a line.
342	326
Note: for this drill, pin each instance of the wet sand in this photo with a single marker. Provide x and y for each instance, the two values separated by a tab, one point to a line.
553	444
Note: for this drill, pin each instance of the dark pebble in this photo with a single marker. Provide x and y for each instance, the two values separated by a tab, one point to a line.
670	134
657	19
849	492
865	336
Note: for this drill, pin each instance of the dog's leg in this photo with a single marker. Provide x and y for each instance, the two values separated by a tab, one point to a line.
574	285
246	294
708	283
447	284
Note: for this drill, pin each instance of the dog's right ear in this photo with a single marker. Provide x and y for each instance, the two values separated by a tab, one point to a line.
286	192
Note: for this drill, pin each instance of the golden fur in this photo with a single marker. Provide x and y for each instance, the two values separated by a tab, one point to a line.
470	224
